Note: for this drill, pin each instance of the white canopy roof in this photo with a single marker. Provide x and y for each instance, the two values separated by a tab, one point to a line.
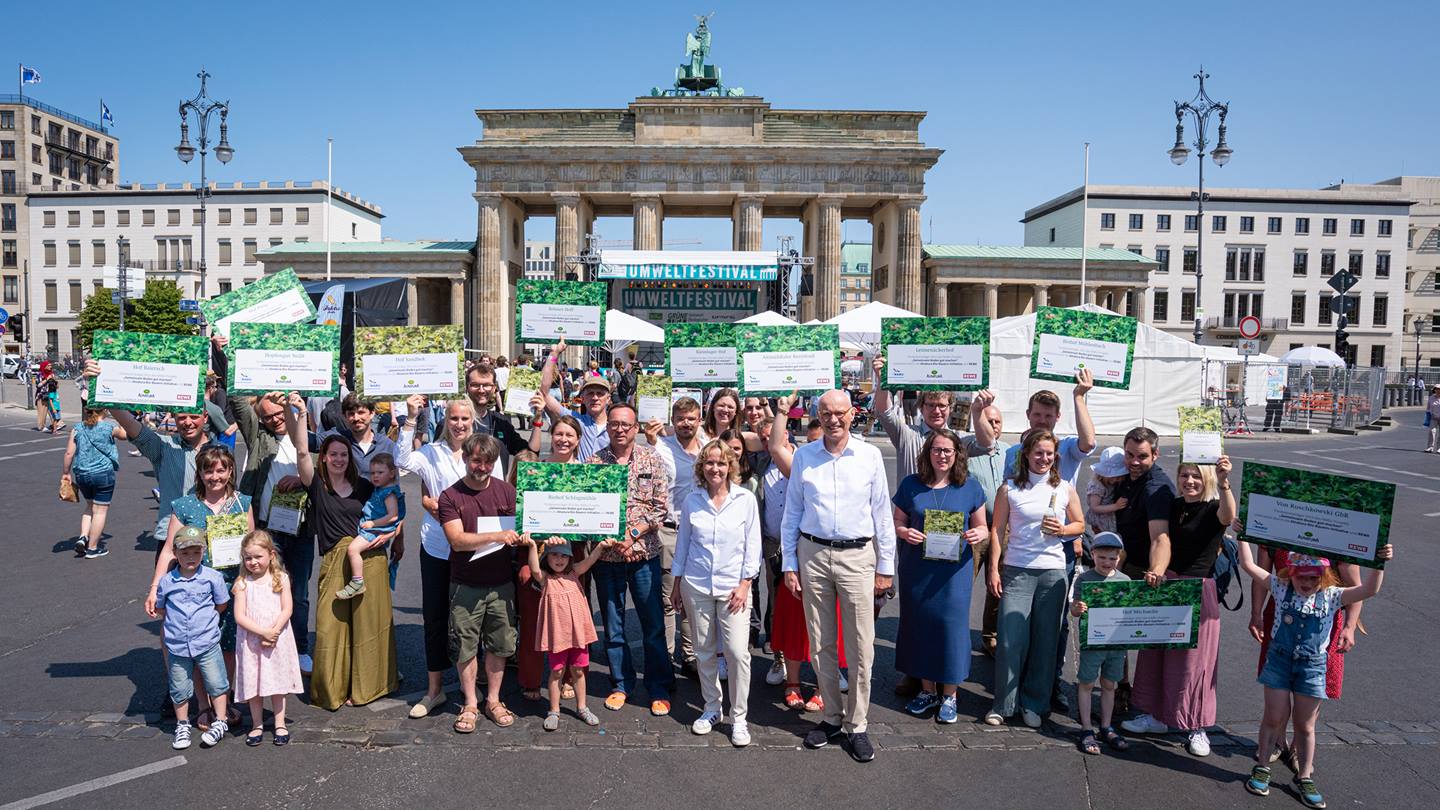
860	327
768	318
622	331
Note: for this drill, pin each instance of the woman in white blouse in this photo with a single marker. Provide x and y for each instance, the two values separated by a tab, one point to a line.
717	554
439	464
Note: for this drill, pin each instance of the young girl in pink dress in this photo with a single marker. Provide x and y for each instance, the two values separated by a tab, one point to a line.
566	629
266	662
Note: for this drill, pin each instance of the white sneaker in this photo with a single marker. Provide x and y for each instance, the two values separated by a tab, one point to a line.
994	719
1031	719
844	682
705	722
776	675
307	664
723	669
1144	724
214	734
740	735
1199	743
182	737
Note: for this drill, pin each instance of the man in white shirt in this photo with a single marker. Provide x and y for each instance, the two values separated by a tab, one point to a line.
678	453
839	531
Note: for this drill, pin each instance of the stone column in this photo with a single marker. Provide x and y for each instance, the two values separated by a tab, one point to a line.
1042	295
746	217
1090	293
412	301
907	275
649	216
1142	304
827	257
567	243
490	276
457	300
939	299
992	301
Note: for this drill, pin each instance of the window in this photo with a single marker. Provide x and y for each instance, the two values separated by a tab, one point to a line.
1247	224
1244	264
34	125
1239	305
10	257
1357	261
224	251
97	218
1384	227
195	216
72	219
354	230
1162	256
1297	309
1192	223
1330	226
76	297
1187	306
1302	263
172	217
7	150
122	218
52	297
35	155
7	183
1382	264
7	217
252	215
49	254
1327	263
276	241
1052	235
249	251
1137	222
1302	226
1187	261
1162	222
73	252
57	163
1136	249
1377	356
97	250
1273	225
302	217
1379	311
12	289
277	216
1161	312
224	216
147	216
47	219
1357	227
52	341
7	119
224	287
1217	224
1107	222
1325	316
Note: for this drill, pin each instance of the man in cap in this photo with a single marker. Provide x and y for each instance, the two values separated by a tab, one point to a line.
595	401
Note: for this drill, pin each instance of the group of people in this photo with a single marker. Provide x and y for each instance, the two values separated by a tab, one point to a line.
718	498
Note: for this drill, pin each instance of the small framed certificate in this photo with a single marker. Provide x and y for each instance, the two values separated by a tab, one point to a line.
287	512
944	535
225	534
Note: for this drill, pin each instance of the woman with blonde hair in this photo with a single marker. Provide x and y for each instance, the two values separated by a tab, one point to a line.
90	464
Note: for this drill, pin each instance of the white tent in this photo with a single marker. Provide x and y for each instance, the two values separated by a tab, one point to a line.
1166	374
1311	356
1221	358
860	327
623	331
768	317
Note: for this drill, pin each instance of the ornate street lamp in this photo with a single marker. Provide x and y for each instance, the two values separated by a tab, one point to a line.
203	106
1200	109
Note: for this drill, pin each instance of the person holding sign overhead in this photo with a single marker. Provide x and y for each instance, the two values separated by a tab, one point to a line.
940	517
595	397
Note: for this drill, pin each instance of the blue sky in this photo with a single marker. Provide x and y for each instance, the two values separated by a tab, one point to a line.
1319	91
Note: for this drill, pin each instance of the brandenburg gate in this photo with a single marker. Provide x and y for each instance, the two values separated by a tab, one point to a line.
698	156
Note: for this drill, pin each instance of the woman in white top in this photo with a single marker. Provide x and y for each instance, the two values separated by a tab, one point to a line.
1037	512
717	554
439	464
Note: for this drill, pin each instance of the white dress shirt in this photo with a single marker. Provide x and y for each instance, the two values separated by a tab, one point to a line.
842	497
717	547
680	464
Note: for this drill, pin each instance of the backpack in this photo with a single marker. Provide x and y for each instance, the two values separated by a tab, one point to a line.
1226	572
625	386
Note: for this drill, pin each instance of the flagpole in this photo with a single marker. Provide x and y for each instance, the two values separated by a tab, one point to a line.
329	197
1084	206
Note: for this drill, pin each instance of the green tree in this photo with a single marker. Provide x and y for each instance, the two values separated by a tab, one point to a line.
98	313
157	311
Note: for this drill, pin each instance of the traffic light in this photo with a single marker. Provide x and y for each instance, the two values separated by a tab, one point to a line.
1341	336
16	325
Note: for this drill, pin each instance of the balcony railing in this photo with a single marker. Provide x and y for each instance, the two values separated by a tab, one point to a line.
77	148
12	98
1232	324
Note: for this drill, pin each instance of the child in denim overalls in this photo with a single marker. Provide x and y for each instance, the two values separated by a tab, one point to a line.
1294	671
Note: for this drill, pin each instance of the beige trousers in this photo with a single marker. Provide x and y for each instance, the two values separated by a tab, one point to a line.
849	575
714	625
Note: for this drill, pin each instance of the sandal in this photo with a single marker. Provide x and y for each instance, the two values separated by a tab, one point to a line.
255	737
499	715
588	716
552	721
567	691
616	701
465	723
1113	739
281	735
793	701
1089	744
815	703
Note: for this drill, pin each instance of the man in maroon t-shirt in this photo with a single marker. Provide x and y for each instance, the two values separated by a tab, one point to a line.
482	592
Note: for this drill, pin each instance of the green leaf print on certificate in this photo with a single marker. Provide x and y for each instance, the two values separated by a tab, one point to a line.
1326	489
539	476
146	347
818	338
1079	323
261	289
561	293
301	337
937	332
448	339
1137	593
699	336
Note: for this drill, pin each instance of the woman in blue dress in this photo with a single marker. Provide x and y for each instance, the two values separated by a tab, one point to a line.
934	639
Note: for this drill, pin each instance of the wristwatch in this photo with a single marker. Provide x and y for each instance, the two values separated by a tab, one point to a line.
634	533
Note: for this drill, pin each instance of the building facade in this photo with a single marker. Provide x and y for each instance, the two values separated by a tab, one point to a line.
854	275
539	259
42	148
75	235
1266	252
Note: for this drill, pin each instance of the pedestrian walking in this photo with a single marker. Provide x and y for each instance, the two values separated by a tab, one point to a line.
91	461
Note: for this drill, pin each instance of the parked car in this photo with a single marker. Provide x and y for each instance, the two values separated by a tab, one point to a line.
10	365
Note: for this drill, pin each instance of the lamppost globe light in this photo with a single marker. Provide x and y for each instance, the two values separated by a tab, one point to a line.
1178	154
224	152
1221	154
185	151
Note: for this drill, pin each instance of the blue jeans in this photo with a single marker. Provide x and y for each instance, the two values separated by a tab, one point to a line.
298	554
212	669
643	581
1028	627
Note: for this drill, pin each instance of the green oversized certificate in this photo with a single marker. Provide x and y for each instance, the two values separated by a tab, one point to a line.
523	384
575	501
303	357
274	298
652	398
546	311
1202	441
140	371
701	355
935	354
397	361
1336	516
1067	340
775	360
1134	616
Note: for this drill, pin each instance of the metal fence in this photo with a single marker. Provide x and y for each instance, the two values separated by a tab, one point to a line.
1269	396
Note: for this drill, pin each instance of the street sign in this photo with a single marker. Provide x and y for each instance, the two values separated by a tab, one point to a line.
195	320
134	280
189	305
1342	281
4	316
1248	347
1249	327
1344	304
115	297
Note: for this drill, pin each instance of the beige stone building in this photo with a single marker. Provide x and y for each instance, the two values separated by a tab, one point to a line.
42	149
998	281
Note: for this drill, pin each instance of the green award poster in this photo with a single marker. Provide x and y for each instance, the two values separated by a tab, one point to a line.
141	371
935	354
1134	616
578	502
546	311
393	362
701	355
1321	514
303	357
1067	340
775	360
